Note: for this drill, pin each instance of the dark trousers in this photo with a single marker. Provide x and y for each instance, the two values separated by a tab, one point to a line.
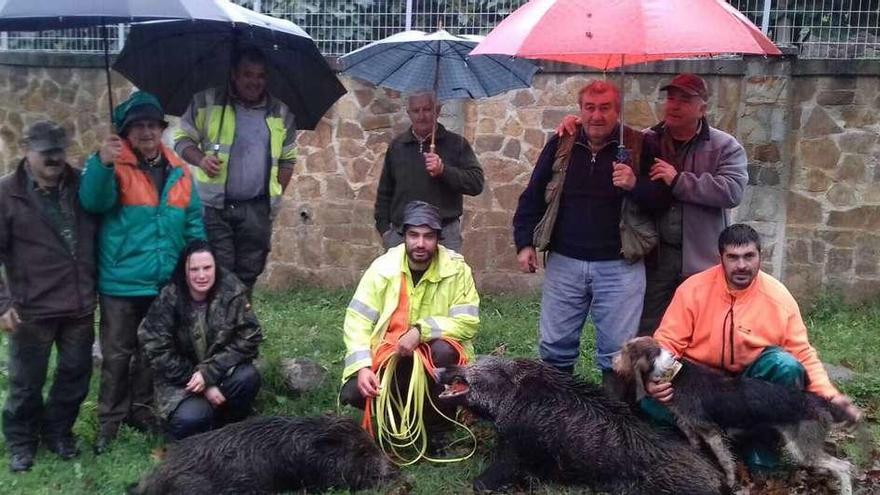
241	237
196	415
25	416
126	391
662	277
443	355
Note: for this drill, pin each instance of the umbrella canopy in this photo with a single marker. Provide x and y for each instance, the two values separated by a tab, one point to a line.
176	59
40	15
417	61
607	34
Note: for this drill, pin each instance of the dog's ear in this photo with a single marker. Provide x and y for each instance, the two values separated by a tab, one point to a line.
639	368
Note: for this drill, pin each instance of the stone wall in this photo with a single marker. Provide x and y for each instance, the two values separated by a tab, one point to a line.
811	137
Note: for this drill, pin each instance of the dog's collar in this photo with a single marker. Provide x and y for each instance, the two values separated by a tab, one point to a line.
666	367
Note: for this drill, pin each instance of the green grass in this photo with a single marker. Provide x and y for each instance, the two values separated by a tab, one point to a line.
308	323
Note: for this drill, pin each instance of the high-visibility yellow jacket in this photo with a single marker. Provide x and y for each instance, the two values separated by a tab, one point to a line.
444	303
200	126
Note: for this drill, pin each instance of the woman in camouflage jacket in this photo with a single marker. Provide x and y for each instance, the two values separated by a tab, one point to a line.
200	337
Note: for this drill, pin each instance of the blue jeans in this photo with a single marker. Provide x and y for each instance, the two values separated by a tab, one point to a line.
611	292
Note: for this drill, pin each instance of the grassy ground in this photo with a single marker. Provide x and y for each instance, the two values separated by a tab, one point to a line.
308	324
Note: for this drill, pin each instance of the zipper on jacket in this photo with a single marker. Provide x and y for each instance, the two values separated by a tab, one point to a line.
727	332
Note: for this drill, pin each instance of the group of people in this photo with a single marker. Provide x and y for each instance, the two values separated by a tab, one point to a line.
635	230
171	253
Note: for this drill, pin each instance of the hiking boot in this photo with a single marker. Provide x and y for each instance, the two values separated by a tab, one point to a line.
65	447
21	461
106	437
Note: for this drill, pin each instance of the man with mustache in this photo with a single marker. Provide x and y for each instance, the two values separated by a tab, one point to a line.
243	145
416	294
47	246
737	318
587	273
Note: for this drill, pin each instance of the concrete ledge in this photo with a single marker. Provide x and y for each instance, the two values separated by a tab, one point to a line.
53	59
835	68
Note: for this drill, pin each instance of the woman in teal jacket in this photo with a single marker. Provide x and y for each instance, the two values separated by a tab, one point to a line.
149	211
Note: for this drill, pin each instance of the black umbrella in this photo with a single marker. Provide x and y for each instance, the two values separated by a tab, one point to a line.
176	59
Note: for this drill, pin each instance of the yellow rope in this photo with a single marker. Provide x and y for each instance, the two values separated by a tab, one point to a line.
400	423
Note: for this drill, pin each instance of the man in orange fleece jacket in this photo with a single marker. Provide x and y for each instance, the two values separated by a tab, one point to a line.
739	319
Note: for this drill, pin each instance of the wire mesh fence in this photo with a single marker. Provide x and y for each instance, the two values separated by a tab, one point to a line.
831	29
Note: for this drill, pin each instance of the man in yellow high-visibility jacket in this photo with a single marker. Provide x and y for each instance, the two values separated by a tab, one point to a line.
440	304
242	145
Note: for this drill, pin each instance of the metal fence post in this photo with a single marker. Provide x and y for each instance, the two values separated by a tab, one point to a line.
4	41
765	18
408	21
258	6
120	37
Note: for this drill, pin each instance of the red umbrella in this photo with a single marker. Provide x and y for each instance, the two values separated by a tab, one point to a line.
607	34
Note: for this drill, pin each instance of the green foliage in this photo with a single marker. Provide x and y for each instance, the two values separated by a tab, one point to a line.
308	323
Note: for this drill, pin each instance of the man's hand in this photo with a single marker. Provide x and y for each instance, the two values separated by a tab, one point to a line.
528	259
660	391
623	177
210	164
10	320
855	414
568	125
408	342
110	149
663	170
368	383
215	396
196	383
433	164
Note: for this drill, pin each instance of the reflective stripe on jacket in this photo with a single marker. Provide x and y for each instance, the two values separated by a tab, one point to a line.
143	231
444	303
200	126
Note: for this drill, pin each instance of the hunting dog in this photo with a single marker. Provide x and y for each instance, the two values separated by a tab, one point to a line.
270	455
707	403
553	426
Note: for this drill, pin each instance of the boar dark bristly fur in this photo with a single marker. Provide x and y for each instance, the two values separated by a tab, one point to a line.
270	455
554	426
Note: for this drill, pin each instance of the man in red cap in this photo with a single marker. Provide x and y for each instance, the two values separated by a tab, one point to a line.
706	171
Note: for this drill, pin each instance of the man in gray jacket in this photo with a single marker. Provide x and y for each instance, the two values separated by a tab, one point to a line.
47	246
706	171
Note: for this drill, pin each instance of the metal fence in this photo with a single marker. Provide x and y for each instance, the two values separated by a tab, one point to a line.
829	29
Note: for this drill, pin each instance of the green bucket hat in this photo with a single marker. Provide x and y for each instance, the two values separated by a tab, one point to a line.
139	106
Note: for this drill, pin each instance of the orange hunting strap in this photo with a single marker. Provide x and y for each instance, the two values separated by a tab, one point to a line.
398	325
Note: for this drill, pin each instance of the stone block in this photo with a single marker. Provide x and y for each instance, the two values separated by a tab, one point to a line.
804	89
818	252
373	122
821	153
382	106
862	291
485	219
337	188
768	153
839	81
349	130
842	195
765	89
863	217
512	128
851	169
535	138
486	126
796	251
858	142
763	176
803	281
840	261
488	143
322	161
819	124
835	97
839	238
803	210
364	96
357	170
551	118
523	98
857	116
512	149
867	260
306	187
507	195
501	171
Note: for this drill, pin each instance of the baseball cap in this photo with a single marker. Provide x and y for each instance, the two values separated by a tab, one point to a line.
691	84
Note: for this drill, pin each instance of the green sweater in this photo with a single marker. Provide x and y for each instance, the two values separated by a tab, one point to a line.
404	178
